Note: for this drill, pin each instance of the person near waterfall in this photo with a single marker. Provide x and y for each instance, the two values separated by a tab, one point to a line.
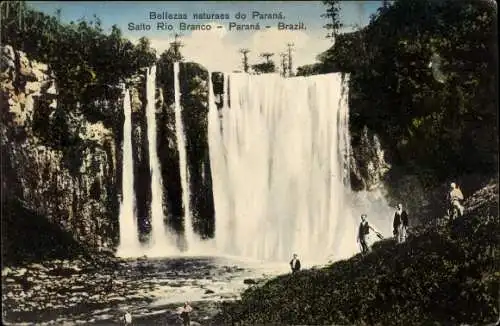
185	311
400	224
295	264
127	318
364	234
455	196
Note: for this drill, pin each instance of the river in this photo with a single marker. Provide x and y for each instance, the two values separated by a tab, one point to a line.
80	291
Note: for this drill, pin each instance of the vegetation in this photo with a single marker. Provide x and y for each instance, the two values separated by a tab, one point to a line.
440	276
331	14
424	79
193	81
88	66
244	62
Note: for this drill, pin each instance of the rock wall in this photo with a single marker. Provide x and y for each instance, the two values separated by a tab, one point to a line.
193	80
140	153
194	101
373	170
72	186
368	163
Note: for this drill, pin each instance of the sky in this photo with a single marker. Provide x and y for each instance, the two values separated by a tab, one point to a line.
218	48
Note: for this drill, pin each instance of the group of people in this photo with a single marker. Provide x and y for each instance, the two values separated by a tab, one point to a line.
401	223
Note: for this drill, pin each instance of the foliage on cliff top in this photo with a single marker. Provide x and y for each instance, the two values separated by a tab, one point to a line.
88	64
423	76
443	275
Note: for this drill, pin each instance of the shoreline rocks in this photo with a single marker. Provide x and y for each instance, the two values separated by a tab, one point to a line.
63	290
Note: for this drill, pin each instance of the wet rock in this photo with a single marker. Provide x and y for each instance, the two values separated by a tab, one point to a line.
62	271
116	299
6	271
21	272
228	295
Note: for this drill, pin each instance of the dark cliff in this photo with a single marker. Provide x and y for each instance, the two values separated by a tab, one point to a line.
72	186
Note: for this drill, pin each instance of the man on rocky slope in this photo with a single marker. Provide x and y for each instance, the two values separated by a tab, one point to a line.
456	196
400	224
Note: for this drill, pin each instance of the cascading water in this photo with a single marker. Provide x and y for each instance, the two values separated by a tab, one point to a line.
181	146
160	241
129	243
218	164
280	169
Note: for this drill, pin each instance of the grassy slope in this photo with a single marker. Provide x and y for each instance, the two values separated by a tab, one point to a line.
440	276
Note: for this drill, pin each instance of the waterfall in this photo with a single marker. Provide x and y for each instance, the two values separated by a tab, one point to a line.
217	162
160	242
129	243
181	146
280	168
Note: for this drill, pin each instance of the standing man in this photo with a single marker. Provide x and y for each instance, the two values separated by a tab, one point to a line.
128	318
295	264
186	318
364	233
400	224
456	196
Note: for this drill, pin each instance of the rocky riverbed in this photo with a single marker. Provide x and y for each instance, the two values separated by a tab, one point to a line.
85	291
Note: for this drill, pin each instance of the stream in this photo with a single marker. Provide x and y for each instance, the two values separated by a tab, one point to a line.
82	291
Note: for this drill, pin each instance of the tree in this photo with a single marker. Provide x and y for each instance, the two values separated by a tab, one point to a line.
290	67
284	67
245	59
175	49
267	66
308	70
332	16
266	55
435	119
145	55
264	67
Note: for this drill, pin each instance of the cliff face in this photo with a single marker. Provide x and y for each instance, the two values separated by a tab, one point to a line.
368	163
194	100
194	109
373	169
73	186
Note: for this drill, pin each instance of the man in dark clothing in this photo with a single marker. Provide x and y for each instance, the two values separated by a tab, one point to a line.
400	224
186	310
295	264
363	234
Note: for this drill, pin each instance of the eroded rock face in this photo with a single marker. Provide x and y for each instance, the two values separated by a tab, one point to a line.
73	185
368	163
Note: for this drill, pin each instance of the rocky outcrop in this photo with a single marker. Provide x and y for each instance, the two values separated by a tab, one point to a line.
194	100
368	163
194	96
70	181
142	174
373	170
